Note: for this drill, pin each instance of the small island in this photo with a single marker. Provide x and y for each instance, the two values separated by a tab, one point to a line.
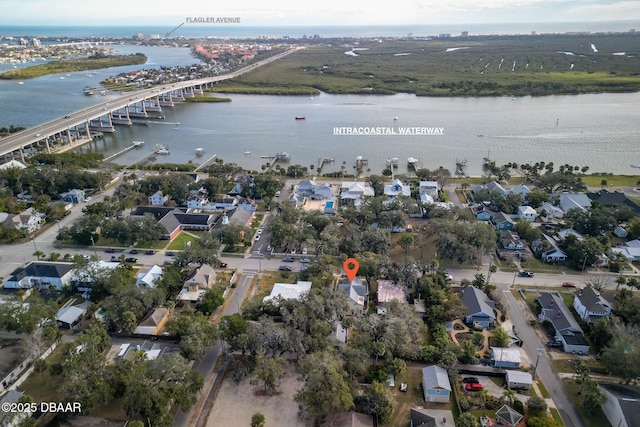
93	62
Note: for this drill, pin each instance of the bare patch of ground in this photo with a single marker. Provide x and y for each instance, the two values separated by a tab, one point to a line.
236	403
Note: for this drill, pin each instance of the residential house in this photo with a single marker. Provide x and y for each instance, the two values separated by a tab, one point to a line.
68	317
590	305
510	241
518	380
430	188
242	181
503	357
246	204
154	323
158	199
619	231
570	201
309	188
563	234
357	293
288	291
421	417
567	330
353	193
484	214
527	213
28	220
237	216
12	164
521	190
479	307
435	384
203	278
41	275
338	332
507	416
613	200
622	406
74	196
630	250
397	188
175	220
148	275
548	210
501	221
387	292
548	250
225	202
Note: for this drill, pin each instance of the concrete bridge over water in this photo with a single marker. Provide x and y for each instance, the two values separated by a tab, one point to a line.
76	128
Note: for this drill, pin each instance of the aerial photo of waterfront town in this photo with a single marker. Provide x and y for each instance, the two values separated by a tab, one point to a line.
286	215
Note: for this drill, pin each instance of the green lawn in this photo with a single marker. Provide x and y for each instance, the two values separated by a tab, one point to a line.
42	386
543	389
181	241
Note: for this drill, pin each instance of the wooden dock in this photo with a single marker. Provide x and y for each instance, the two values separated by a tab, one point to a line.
205	163
121	152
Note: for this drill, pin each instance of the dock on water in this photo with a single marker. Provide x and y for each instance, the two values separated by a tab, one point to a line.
205	163
135	144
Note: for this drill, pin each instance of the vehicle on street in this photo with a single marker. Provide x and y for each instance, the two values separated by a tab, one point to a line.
257	238
131	259
223	265
259	232
305	260
110	250
470	380
288	259
525	274
568	285
554	344
133	252
115	259
171	253
285	268
150	252
277	194
87	199
473	387
448	276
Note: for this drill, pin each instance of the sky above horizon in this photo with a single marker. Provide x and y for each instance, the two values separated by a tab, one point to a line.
326	12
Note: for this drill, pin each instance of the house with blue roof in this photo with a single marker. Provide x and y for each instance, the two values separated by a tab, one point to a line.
436	385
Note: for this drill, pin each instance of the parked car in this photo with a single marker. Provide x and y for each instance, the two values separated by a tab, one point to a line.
131	259
150	252
525	274
473	387
288	259
470	380
259	232
448	276
115	259
285	268
171	253
223	265
134	252
568	285
110	250
554	344
257	238
305	260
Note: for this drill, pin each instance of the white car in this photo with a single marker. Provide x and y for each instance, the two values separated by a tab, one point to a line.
259	231
257	238
448	276
87	199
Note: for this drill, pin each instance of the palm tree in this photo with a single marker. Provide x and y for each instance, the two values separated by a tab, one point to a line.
509	395
38	254
620	280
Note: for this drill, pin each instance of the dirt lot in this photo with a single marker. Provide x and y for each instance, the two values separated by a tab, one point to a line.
236	403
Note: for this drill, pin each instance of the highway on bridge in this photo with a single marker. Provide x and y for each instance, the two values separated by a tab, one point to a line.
42	131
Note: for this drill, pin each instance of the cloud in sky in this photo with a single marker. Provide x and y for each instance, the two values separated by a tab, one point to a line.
325	12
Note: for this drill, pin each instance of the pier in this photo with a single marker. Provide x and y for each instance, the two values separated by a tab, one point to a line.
134	144
361	161
323	160
209	160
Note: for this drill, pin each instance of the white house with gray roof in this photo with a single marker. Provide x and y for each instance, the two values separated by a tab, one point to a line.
397	188
478	306
436	385
590	305
570	201
357	293
41	275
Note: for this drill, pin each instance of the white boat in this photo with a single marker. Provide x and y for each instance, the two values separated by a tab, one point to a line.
61	77
635	165
247	152
20	83
199	151
162	151
395	118
137	143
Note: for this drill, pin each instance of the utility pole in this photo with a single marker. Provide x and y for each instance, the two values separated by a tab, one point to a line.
537	361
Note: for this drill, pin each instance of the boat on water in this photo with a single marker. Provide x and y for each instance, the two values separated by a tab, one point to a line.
161	149
412	162
246	152
395	118
88	91
61	77
137	144
20	82
635	165
199	151
300	117
392	162
480	135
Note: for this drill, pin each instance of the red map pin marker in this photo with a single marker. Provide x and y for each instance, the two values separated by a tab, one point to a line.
351	267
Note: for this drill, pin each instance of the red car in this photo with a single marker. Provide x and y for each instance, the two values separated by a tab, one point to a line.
568	285
473	387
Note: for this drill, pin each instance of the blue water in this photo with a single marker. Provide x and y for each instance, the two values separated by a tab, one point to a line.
240	31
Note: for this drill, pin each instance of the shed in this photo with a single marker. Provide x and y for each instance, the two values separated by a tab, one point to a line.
518	379
505	357
436	385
